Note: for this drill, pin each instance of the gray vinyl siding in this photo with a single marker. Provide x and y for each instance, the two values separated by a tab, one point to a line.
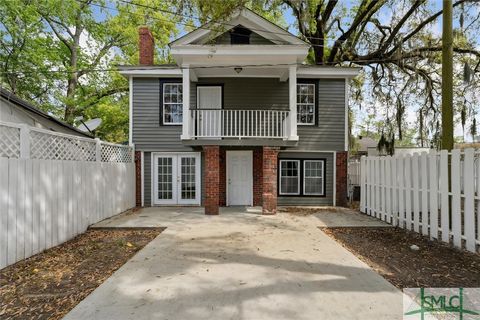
327	200
247	93
255	38
329	134
148	134
147	179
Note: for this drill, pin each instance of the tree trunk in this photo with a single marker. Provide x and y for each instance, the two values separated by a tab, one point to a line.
70	104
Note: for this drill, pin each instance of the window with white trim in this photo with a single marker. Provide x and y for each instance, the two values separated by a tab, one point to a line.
306	103
172	103
313	177
289	177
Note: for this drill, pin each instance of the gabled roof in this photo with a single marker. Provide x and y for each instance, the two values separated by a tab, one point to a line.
7	95
249	20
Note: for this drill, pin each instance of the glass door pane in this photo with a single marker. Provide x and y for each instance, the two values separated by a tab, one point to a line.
189	177
165	188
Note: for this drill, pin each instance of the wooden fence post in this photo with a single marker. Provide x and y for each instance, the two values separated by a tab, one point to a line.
24	141
98	150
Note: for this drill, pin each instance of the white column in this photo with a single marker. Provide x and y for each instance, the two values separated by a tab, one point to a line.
186	103
292	93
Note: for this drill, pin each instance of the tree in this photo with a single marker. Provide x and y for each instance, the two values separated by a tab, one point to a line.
394	42
62	53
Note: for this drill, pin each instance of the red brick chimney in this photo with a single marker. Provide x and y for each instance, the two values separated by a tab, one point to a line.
146	46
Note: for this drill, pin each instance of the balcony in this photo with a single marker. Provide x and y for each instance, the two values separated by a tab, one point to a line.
239	127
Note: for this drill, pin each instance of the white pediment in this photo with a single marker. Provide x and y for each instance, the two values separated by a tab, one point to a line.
247	19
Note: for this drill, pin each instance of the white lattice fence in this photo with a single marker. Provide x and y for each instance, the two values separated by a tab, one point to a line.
116	153
10	141
53	186
45	145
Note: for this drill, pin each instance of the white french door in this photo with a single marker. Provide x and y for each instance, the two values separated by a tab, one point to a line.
176	178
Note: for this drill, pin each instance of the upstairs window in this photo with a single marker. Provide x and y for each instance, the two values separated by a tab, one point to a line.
240	35
172	103
306	103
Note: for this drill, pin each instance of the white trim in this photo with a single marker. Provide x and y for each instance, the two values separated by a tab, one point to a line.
292	103
279	173
235	50
170	103
334	178
322	177
186	103
347	88
327	72
152	72
142	178
175	174
307	104
227	174
246	18
130	110
151	179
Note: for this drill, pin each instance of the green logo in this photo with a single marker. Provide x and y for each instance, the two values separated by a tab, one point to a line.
442	303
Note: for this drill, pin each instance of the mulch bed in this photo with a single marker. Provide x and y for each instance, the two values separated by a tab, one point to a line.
49	284
387	251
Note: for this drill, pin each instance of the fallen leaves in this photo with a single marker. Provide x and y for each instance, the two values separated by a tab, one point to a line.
388	251
49	284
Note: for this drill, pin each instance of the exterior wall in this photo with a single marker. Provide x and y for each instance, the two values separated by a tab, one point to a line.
243	93
10	112
326	200
148	134
329	133
247	93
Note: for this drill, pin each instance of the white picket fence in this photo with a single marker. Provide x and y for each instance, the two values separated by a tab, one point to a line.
53	186
412	192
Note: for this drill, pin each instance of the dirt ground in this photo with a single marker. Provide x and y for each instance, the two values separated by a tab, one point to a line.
387	251
49	284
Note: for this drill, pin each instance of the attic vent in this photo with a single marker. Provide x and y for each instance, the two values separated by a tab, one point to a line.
240	35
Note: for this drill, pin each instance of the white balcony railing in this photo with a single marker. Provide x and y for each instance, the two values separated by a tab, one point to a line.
226	123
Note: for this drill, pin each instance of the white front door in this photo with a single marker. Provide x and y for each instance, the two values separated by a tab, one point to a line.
239	178
176	178
209	123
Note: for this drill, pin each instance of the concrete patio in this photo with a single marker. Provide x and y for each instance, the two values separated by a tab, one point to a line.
240	265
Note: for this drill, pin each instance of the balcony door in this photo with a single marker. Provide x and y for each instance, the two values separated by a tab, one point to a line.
209	121
176	178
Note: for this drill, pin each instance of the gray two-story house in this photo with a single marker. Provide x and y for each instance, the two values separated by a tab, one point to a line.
238	120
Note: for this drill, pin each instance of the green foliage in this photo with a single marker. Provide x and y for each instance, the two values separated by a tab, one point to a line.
61	54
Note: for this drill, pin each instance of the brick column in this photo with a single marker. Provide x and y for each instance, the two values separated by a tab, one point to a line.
257	176
269	188
138	178
223	178
341	178
212	179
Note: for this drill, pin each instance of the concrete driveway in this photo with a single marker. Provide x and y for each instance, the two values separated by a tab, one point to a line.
239	265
